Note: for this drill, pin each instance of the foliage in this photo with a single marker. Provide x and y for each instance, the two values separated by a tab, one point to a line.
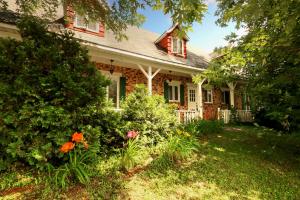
175	149
117	15
203	127
267	57
129	155
263	163
149	115
76	168
48	89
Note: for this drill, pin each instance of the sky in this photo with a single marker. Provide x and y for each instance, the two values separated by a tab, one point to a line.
205	36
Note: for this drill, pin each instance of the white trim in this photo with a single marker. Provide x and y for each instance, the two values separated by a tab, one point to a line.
211	93
174	84
178	40
87	25
144	57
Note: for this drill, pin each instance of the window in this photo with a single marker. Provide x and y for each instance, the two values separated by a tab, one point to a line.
177	45
174	92
84	22
192	95
113	90
226	97
207	96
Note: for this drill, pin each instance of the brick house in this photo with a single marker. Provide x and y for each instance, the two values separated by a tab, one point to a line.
164	63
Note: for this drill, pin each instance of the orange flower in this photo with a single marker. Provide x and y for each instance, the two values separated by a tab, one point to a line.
85	144
66	147
77	137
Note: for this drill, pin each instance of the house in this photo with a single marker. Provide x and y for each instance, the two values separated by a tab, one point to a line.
165	63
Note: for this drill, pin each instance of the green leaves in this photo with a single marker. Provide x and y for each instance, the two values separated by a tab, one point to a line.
117	15
267	56
48	90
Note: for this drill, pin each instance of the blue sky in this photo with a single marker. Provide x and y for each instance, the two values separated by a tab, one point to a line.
205	36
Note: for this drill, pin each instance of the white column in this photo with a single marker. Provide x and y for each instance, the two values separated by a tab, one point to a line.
149	77
200	101
231	90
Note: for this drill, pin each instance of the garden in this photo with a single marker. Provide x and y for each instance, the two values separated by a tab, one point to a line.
60	138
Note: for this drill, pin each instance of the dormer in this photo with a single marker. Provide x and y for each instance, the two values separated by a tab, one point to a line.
81	23
171	43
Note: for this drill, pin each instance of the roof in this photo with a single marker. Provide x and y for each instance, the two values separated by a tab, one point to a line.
140	42
170	30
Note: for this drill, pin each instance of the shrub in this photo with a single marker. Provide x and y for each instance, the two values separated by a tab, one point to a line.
174	149
201	127
48	89
149	115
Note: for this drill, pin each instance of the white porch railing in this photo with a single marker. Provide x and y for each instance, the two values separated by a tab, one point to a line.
241	115
186	116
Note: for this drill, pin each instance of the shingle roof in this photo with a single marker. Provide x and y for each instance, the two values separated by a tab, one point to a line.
140	41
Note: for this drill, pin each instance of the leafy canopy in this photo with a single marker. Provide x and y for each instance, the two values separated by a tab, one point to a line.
117	15
267	57
49	89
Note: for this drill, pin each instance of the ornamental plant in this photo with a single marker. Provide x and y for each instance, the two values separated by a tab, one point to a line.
149	115
48	88
76	168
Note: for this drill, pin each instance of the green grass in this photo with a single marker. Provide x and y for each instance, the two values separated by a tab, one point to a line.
240	163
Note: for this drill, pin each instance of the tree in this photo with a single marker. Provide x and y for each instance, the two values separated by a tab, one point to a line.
117	15
49	89
267	57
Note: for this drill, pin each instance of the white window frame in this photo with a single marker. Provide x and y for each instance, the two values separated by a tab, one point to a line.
116	77
211	93
87	25
178	41
223	94
174	84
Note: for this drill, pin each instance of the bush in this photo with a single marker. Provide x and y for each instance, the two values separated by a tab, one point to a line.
201	127
149	115
48	90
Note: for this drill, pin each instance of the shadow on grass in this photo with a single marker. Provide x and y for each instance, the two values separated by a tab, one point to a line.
240	163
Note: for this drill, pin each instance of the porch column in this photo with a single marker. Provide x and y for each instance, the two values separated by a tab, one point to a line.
149	76
200	101
231	90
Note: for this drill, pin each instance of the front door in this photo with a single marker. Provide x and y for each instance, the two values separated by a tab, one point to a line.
192	97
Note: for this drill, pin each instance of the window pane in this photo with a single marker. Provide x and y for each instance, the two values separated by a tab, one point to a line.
179	46
80	21
176	92
93	26
209	96
113	92
192	95
175	49
204	95
170	93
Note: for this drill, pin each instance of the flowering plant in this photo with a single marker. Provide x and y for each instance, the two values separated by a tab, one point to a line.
76	167
132	134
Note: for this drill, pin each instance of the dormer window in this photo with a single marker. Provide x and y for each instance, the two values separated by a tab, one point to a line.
84	22
177	46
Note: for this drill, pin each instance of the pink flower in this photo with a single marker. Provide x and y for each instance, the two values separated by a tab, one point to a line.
132	134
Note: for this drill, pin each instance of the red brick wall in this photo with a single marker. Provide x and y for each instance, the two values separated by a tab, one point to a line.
71	20
210	110
135	76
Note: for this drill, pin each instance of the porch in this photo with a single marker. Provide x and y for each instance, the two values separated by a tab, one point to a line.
186	116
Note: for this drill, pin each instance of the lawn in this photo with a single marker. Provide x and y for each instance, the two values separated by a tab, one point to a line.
240	163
